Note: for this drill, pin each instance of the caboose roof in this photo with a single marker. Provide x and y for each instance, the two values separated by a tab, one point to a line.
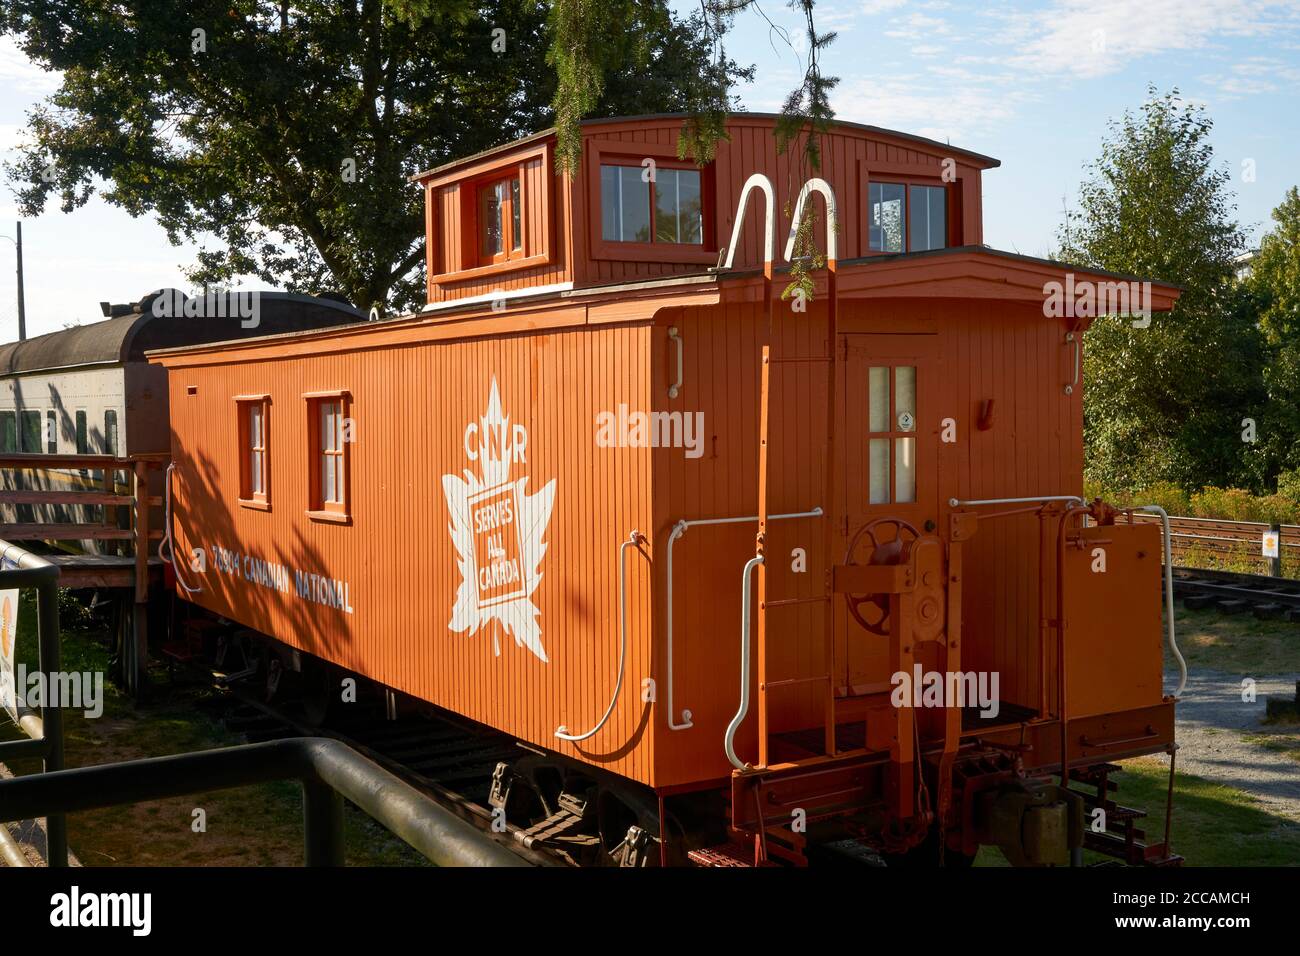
962	272
978	160
127	338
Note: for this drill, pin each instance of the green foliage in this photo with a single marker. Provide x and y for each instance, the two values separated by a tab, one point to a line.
1271	292
241	142
1275	274
680	65
1166	402
588	37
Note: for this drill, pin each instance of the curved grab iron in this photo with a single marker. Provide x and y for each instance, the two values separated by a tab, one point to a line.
635	538
729	741
832	223
755	181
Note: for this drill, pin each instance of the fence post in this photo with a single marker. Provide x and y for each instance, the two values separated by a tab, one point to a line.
322	818
1275	564
138	650
50	662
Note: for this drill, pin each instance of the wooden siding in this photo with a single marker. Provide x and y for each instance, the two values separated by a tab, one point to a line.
411	408
851	156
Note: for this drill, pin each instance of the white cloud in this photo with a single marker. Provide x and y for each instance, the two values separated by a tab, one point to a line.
17	72
942	111
1254	76
1092	38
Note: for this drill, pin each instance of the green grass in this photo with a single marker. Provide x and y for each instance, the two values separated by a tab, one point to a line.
259	826
1237	644
1214	825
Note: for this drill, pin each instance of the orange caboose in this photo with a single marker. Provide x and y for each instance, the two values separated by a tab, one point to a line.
766	572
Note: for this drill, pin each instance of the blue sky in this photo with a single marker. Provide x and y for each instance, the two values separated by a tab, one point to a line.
1033	84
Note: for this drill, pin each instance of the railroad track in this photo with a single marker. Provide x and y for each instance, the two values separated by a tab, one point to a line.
1218	538
449	759
1228	592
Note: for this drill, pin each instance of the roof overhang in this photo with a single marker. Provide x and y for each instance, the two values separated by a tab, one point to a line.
976	272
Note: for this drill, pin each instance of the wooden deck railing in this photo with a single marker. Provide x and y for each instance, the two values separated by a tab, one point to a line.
106	494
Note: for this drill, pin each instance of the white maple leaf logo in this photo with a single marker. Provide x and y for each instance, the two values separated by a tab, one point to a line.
497	528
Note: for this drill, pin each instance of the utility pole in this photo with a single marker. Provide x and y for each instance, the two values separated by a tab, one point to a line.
22	303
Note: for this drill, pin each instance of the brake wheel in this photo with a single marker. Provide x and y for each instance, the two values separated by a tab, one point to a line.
878	545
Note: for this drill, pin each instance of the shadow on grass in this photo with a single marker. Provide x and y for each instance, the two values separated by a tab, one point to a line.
250	826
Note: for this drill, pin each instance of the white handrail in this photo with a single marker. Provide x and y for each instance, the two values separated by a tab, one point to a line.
635	538
1169	594
955	503
679	529
729	741
755	181
832	229
170	555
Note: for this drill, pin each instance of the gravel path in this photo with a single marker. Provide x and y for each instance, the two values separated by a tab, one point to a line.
1212	724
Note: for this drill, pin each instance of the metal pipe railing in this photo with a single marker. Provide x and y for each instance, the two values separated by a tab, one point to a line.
633	540
1169	593
10	853
19	568
329	770
729	740
971	503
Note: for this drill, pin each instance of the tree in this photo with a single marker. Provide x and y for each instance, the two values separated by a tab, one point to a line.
1166	402
281	137
1272	291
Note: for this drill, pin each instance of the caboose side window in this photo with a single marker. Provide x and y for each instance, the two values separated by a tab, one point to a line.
891	442
906	218
254	450
83	438
8	431
30	438
500	221
888	224
110	431
330	433
83	434
666	207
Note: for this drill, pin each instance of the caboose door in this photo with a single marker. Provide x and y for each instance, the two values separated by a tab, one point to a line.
889	440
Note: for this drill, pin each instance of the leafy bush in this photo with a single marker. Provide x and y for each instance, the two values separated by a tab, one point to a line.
1228	504
1167	495
1288	485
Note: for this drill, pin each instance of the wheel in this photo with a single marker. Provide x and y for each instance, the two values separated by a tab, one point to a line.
871	611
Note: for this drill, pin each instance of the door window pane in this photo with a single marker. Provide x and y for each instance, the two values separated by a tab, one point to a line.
904	398
904	469
878	469
878	399
887	223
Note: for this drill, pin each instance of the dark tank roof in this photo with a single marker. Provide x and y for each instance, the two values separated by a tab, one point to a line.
135	328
